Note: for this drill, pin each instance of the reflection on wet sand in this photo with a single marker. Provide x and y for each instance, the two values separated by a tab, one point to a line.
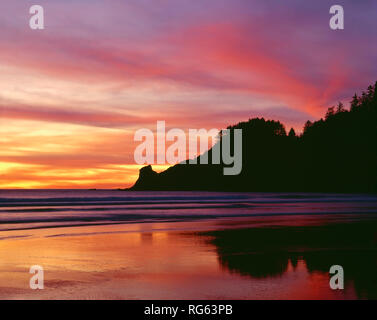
260	258
268	252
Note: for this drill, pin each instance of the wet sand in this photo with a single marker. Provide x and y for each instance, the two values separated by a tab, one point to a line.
235	258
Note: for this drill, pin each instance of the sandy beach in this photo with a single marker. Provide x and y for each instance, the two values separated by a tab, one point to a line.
243	258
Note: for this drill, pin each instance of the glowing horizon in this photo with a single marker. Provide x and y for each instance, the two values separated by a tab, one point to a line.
73	95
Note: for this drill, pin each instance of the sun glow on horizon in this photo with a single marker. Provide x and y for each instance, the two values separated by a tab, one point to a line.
73	95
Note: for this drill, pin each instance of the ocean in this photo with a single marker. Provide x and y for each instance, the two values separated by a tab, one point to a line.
28	209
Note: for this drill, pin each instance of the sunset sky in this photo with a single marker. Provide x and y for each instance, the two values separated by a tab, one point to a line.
73	95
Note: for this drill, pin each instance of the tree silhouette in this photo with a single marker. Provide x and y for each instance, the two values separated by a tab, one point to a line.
354	102
330	112
340	108
292	133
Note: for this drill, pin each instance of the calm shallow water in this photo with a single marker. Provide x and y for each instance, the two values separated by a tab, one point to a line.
186	245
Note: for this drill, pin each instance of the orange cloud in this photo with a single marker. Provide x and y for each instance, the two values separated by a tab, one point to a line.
71	101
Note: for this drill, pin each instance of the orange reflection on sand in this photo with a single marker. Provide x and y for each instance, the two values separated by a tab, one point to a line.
147	261
91	256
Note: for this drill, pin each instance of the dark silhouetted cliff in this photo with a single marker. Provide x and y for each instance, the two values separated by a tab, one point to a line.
334	154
